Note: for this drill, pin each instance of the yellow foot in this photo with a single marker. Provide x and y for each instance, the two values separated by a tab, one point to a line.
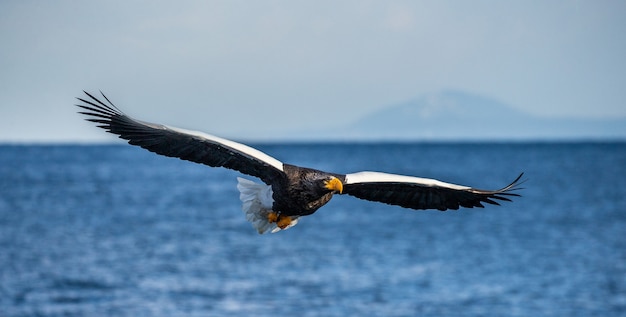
283	222
272	217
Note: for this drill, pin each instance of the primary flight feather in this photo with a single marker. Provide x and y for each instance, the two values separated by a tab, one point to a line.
289	191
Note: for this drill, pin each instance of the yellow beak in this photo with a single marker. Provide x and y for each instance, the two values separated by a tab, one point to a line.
334	184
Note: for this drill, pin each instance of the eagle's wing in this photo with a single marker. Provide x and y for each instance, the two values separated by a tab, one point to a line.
187	145
421	193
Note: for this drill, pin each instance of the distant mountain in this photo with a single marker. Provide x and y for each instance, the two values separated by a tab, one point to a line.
454	115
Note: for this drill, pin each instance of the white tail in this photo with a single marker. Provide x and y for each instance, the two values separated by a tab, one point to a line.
257	204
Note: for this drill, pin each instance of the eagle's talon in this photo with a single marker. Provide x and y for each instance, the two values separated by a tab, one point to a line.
283	222
272	217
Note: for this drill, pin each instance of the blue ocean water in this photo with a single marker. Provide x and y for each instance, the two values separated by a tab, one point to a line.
118	231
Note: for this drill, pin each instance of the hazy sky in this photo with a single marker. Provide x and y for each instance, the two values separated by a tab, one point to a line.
238	68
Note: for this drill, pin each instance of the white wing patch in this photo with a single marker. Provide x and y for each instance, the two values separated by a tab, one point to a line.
378	177
234	145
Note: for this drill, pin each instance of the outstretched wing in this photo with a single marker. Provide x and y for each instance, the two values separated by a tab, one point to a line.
422	193
187	145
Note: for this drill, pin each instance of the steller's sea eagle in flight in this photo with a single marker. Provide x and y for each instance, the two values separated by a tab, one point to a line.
289	191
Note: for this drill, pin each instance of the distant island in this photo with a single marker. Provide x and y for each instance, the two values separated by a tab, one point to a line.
456	115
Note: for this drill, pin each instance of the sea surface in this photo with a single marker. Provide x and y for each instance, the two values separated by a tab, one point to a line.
114	230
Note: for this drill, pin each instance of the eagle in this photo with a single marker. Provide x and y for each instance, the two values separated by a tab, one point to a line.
289	191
